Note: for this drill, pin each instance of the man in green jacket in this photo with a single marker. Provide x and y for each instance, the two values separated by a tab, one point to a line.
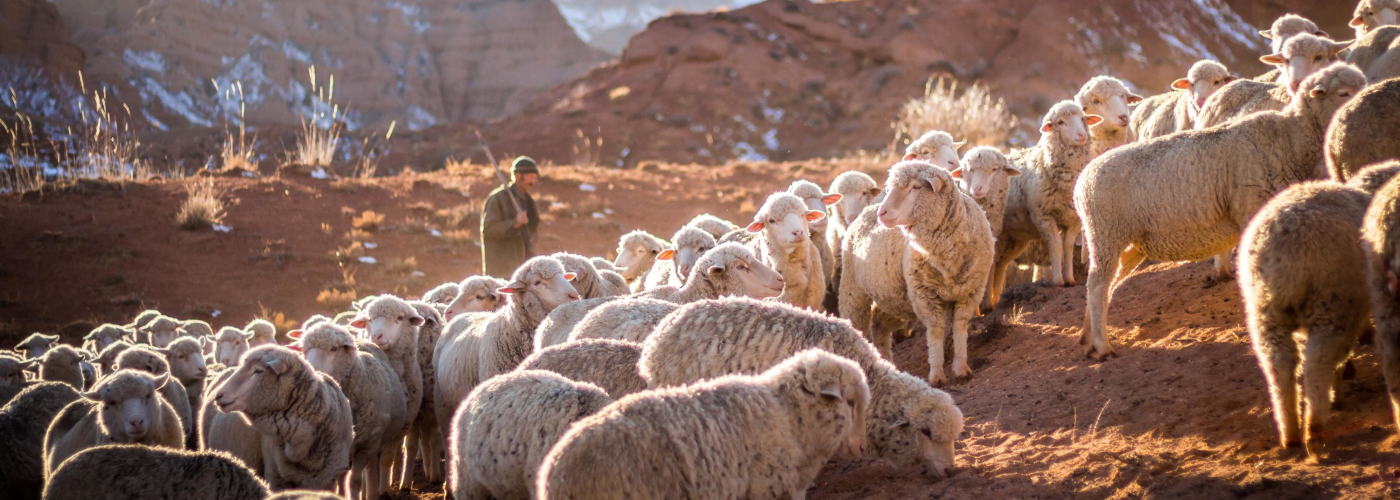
508	233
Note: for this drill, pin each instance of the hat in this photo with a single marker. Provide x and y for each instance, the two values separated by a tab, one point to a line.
524	165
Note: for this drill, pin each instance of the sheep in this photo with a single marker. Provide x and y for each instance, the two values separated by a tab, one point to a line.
636	254
1175	111
506	427
1301	272
1372	14
229	345
188	366
475	294
1108	98
1363	131
986	174
1218	179
23	422
1302	56
142	318
393	325
102	336
911	425
589	283
1380	240
560	322
857	190
107	359
424	432
727	270
303	417
442	295
123	472
60	364
628	319
1374	177
816	199
123	408
377	399
717	227
161	331
935	263
609	364
739	436
196	328
12	372
228	432
146	359
936	147
260	332
785	244
477	346
35	345
686	247
1377	54
1285	27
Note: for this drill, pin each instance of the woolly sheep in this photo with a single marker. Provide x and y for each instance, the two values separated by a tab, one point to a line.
923	253
1175	111
60	363
716	226
687	245
504	429
475	294
1286	27
12	372
1219	178
376	396
729	269
303	417
442	295
816	199
111	472
609	364
1301	273
560	322
911	425
935	147
602	264
586	278
785	244
1363	131
124	408
636	254
1372	14
35	345
229	345
188	366
779	429
261	332
161	331
228	432
1377	54
477	346
107	359
23	422
142	318
858	190
424	432
1380	240
1374	177
102	336
986	174
1302	56
627	319
394	324
197	329
146	359
1107	97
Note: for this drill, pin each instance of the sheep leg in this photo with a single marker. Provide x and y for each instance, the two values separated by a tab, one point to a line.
1278	357
1070	234
1326	349
404	464
1128	261
935	320
1054	242
383	467
1104	262
1224	266
432	457
962	313
1388	344
1008	255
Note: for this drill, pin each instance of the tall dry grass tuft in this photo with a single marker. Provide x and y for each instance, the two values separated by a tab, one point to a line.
972	115
370	149
320	135
201	208
237	153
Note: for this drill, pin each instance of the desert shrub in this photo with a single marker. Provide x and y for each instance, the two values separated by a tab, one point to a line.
201	208
972	115
368	221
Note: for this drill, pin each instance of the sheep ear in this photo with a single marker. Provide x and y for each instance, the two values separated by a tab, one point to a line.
935	184
1012	172
415	320
815	215
831	391
1318	92
162	380
1337	47
755	227
873	192
1181	84
959	144
1274	59
1230	78
276	365
716	270
1355	21
93	396
831	199
511	288
1267	34
91	335
50	338
899	423
567	277
910	156
247	335
666	255
958	172
294	334
294	347
1322	34
1093	119
358	322
1046	128
1134	99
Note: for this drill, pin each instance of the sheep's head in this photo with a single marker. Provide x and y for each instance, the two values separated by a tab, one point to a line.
936	147
784	219
827	386
910	184
259	374
981	169
186	359
1068	122
197	329
229	345
63	359
145	359
130	403
260	332
1372	14
11	371
1327	90
443	294
857	190
690	243
475	294
330	349
924	422
1109	98
107	334
734	264
716	226
388	320
107	359
636	251
1303	55
545	279
1286	27
142	318
1203	80
815	199
36	345
586	279
163	330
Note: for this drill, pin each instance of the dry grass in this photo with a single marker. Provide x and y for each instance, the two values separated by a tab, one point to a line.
237	152
974	115
280	321
401	267
321	134
358	235
466	213
368	221
201	208
461	237
336	299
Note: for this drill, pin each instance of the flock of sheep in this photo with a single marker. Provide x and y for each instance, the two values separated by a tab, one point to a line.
712	365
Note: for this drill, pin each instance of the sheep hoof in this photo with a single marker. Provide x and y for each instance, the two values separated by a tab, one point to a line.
1097	355
937	379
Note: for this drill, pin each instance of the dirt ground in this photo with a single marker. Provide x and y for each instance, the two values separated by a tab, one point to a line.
1181	413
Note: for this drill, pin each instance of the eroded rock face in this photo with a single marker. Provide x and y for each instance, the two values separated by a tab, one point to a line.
417	62
33	34
608	24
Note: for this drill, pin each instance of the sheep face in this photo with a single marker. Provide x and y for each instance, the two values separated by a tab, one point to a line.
107	359
257	375
857	190
1202	81
784	220
819	204
260	332
1329	89
186	360
943	155
851	206
759	280
690	243
1108	98
1372	14
1287	26
910	184
106	335
330	349
551	288
162	331
36	345
980	169
229	346
1069	123
1302	56
634	251
477	294
63	358
130	403
387	319
11	372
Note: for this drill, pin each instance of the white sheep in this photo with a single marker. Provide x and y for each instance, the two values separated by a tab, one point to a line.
1380	239
107	359
636	254
729	269
1374	177
1217	179
393	324
587	280
911	425
935	147
161	331
102	336
261	332
425	433
504	429
111	472
740	436
627	319
1109	98
686	247
1377	54
924	253
716	226
229	345
188	367
1372	14
12	372
303	417
1301	274
23	422
858	190
985	174
609	364
475	294
785	244
123	408
1302	55
1285	27
149	360
35	345
442	295
1175	111
60	363
228	432
1363	131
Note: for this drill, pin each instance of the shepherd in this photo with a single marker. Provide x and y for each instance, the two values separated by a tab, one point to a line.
509	221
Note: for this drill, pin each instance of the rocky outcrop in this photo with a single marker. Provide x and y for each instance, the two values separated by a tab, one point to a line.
608	24
33	34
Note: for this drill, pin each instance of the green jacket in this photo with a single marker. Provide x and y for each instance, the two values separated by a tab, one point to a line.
503	246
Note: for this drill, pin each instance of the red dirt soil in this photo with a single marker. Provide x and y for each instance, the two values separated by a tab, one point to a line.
1182	413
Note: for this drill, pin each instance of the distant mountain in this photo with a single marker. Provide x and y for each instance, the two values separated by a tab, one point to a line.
607	24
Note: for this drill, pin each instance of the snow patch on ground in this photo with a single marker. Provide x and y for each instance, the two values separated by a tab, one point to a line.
148	60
